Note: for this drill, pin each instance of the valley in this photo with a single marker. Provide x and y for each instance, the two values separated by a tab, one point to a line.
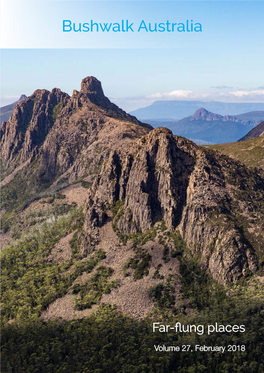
110	225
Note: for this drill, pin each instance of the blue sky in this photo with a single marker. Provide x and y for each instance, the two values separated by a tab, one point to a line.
224	63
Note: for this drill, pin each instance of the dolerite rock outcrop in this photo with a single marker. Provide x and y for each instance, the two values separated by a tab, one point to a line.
216	203
29	124
68	136
212	200
6	111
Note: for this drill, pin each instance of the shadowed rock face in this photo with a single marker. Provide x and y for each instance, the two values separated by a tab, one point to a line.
92	89
153	181
157	184
6	111
63	130
92	93
207	196
92	85
29	125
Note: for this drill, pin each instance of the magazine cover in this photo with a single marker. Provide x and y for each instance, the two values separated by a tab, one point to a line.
132	186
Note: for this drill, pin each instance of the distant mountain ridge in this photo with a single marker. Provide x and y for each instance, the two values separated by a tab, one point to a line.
245	118
255	116
180	109
205	127
255	132
6	111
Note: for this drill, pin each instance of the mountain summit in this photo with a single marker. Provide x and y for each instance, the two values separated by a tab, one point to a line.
141	215
209	116
91	90
90	84
22	97
205	127
63	132
180	109
200	113
6	111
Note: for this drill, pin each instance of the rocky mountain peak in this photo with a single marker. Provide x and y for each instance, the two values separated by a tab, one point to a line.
92	93
59	128
203	114
200	113
29	125
92	85
22	97
92	89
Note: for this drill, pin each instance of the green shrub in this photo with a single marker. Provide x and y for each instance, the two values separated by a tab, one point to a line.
166	252
86	184
140	264
92	290
163	294
30	282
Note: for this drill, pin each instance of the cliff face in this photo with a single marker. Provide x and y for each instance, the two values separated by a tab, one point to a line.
69	134
211	199
218	216
216	203
6	111
29	124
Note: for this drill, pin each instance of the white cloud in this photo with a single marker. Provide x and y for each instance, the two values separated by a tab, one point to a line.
180	94
251	96
231	96
174	94
236	96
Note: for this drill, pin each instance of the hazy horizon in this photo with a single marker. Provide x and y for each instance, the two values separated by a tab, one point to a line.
222	63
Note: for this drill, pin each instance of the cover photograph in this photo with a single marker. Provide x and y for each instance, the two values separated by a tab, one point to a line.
132	186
